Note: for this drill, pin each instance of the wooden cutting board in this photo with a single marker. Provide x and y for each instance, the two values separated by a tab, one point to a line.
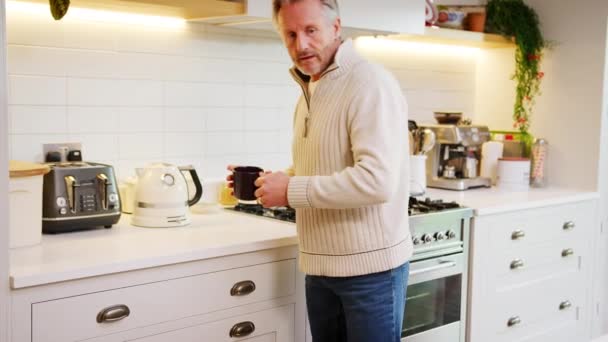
18	169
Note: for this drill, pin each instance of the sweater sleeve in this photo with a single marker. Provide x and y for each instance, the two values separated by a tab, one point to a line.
377	127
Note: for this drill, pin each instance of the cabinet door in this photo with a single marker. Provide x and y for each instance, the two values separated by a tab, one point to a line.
274	325
395	16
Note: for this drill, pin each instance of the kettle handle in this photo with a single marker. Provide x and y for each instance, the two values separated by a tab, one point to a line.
197	184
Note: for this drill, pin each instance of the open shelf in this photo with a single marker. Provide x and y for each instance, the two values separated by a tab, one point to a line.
458	37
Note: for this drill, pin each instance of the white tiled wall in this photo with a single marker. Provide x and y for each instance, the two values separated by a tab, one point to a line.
199	95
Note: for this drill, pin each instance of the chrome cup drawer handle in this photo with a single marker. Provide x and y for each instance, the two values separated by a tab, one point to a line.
113	313
565	305
513	321
518	235
569	225
242	329
516	264
567	252
242	288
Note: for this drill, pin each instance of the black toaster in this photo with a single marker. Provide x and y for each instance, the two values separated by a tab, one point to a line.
78	196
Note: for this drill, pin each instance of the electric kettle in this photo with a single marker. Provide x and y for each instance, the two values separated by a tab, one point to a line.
161	196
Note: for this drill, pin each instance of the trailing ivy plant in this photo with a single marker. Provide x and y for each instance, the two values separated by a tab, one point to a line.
516	20
59	8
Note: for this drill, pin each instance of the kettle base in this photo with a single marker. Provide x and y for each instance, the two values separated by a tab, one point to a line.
160	222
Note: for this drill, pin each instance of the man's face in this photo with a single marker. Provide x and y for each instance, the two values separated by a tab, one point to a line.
311	39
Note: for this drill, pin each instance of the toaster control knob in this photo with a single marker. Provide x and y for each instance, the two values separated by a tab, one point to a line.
113	198
168	179
63	211
61	202
427	238
451	234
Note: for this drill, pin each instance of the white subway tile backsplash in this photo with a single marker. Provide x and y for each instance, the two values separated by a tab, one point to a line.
36	90
203	95
97	147
262	142
257	95
189	119
263	119
225	143
35	29
184	145
28	147
37	119
141	146
225	119
35	60
92	119
140	119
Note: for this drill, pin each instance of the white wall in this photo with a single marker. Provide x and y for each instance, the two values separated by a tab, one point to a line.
4	290
567	113
602	284
201	95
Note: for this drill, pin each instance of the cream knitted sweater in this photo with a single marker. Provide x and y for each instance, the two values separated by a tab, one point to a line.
349	181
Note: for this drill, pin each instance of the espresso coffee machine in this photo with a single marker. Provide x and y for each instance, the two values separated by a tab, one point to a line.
453	163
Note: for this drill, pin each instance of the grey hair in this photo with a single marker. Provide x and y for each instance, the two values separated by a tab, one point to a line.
331	9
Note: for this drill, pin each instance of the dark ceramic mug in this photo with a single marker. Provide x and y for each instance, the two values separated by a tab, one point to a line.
243	178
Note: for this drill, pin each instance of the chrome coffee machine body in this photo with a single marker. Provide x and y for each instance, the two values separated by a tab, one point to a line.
453	163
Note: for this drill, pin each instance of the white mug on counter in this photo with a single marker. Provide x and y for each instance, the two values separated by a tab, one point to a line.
417	175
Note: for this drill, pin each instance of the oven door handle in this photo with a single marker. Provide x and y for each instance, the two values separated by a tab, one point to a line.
440	266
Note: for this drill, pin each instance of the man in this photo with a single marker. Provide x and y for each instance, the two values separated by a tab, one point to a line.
348	182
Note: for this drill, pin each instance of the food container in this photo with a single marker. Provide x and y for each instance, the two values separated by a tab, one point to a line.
513	174
25	203
538	175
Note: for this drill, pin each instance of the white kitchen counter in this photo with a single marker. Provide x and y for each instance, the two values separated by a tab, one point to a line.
124	247
487	201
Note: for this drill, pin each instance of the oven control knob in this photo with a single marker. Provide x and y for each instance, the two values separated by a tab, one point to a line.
416	240
440	236
427	238
451	234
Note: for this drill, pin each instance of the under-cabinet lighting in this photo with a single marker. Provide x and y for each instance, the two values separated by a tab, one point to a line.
79	13
396	46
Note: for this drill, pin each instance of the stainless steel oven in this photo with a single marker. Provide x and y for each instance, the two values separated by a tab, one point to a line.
437	286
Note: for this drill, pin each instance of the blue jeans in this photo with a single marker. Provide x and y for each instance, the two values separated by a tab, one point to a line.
366	308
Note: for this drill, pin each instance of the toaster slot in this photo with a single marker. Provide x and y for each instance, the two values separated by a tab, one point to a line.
70	185
102	185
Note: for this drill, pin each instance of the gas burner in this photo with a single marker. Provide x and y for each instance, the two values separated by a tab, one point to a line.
429	206
279	213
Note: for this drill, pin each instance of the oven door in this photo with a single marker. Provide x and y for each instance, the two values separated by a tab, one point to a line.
434	300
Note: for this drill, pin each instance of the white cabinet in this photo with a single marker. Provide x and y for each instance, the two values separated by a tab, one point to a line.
396	16
531	274
251	295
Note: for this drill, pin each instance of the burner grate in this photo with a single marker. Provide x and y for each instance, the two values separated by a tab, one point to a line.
427	205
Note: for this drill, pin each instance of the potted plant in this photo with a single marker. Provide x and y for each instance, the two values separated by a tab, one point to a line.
519	22
59	8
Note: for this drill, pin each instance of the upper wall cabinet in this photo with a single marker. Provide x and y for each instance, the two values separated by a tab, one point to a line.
385	16
358	16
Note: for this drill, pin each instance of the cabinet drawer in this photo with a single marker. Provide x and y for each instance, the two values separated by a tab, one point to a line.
274	325
527	228
76	318
518	266
524	311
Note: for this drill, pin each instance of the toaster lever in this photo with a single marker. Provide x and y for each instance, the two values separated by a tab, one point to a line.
102	184
70	185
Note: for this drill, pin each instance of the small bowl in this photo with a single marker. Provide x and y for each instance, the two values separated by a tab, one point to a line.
450	118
